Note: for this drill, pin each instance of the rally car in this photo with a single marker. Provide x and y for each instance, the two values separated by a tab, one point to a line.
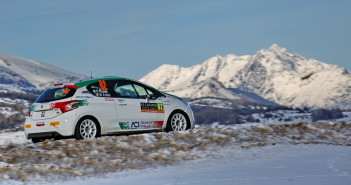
102	106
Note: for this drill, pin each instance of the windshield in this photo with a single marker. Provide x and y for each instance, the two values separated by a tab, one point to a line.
55	94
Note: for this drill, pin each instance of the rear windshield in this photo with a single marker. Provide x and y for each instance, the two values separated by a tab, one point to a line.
55	94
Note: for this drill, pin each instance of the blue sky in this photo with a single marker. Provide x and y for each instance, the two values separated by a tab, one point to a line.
131	38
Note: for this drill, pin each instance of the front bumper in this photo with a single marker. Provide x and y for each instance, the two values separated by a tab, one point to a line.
191	117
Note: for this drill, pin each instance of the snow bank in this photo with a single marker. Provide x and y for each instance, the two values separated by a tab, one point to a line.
13	138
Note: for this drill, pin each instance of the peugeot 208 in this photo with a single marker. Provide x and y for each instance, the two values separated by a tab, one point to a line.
90	108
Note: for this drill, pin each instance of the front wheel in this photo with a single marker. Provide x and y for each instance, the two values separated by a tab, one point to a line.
86	129
177	122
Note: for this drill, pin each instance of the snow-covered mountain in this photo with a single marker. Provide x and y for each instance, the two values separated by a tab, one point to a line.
24	75
274	74
21	80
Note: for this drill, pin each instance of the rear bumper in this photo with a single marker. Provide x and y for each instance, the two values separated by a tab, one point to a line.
43	135
62	125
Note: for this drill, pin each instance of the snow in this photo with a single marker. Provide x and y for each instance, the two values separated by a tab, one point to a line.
282	164
217	103
13	138
14	101
7	109
347	117
206	88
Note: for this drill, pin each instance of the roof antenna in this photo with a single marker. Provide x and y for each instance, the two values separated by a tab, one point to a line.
70	78
91	74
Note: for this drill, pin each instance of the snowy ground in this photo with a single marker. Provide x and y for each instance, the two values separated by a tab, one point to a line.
301	153
282	164
13	138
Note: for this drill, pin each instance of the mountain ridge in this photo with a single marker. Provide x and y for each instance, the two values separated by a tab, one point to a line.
25	75
275	74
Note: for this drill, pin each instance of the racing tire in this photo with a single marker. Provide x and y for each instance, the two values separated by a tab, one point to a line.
86	129
177	121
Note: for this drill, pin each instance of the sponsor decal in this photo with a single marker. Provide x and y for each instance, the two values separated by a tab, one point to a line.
109	99
101	93
28	126
84	97
55	123
140	125
152	107
81	103
121	100
124	125
86	92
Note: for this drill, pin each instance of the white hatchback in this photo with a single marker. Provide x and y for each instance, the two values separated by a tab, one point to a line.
91	108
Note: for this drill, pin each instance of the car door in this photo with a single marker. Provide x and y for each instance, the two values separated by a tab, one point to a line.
138	108
102	105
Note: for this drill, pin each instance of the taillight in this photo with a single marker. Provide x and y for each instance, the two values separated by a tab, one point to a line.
65	106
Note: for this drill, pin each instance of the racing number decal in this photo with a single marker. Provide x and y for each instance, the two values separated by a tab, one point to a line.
160	106
42	114
152	107
102	84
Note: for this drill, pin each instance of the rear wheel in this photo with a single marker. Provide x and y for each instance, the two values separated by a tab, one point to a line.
86	129
177	122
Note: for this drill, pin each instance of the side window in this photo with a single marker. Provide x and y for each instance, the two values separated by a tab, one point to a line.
126	90
99	88
151	93
140	90
143	91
